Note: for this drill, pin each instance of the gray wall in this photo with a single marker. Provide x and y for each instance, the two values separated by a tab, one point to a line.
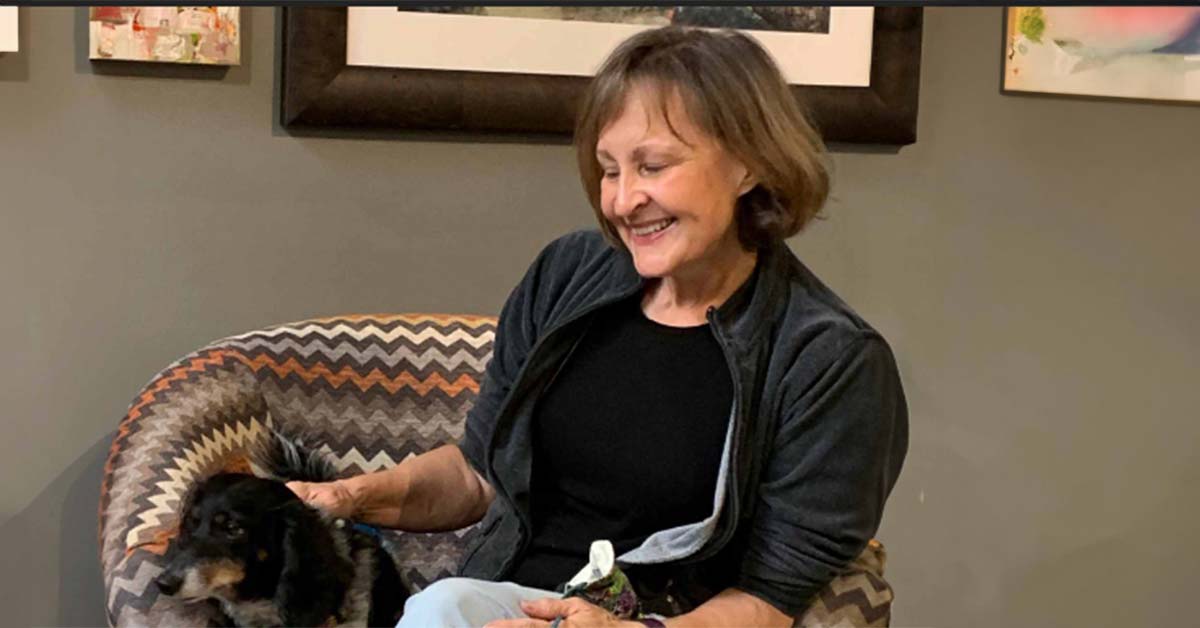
1028	259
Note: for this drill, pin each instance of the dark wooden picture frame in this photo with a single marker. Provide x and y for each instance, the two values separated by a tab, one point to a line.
319	90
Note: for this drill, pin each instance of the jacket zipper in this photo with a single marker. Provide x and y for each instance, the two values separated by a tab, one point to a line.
526	525
731	479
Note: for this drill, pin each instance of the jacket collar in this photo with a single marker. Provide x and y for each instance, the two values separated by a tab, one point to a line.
755	303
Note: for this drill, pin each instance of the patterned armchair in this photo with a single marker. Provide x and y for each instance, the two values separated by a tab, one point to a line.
373	390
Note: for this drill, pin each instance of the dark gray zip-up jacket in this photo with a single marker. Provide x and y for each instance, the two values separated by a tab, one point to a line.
817	435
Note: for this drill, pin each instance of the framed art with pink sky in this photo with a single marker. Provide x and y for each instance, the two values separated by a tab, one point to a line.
1145	53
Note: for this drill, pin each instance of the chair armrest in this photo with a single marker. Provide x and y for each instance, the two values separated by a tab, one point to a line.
194	418
370	389
858	597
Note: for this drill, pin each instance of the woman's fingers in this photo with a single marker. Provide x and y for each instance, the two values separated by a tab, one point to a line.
330	497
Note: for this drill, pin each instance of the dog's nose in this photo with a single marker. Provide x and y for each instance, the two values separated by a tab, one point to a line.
168	582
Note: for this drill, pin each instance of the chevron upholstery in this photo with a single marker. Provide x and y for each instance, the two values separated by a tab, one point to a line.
369	390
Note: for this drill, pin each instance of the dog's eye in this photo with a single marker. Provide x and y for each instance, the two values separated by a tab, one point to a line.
233	529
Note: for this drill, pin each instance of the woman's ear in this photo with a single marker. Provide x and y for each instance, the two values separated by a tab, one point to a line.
743	178
748	182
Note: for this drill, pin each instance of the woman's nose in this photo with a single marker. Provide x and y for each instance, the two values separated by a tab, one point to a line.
629	196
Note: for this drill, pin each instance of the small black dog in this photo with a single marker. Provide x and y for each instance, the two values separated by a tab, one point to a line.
270	560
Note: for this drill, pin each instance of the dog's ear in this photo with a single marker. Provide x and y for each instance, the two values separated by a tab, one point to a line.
187	502
315	577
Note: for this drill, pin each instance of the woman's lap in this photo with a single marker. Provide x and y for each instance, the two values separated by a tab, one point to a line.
462	602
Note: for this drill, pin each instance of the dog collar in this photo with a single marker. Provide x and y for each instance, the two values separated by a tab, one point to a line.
361	527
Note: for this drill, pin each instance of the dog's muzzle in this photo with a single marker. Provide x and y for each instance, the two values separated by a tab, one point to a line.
200	578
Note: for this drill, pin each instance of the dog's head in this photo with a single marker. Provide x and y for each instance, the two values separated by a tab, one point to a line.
231	539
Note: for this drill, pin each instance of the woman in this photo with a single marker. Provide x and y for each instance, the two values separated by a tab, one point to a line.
679	384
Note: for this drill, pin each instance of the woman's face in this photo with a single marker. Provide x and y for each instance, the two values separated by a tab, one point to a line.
671	198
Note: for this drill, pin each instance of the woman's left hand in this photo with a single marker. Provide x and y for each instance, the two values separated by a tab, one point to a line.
576	613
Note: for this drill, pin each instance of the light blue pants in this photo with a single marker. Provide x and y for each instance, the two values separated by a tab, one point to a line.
467	603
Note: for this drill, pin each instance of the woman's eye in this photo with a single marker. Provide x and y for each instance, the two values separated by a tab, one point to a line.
652	168
611	174
234	530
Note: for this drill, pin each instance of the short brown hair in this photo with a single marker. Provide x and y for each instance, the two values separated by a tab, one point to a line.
731	89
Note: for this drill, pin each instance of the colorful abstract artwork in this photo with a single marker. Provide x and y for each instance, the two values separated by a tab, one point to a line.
200	35
8	29
1122	52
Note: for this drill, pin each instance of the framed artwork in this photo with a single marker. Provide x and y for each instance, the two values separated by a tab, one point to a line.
8	29
574	40
522	69
187	35
1145	53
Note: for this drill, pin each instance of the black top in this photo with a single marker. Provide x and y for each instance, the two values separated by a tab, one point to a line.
626	441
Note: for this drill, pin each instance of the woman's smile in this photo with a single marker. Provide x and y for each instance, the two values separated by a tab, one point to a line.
647	233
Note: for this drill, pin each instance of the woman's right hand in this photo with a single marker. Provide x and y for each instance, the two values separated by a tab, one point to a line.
333	498
434	491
